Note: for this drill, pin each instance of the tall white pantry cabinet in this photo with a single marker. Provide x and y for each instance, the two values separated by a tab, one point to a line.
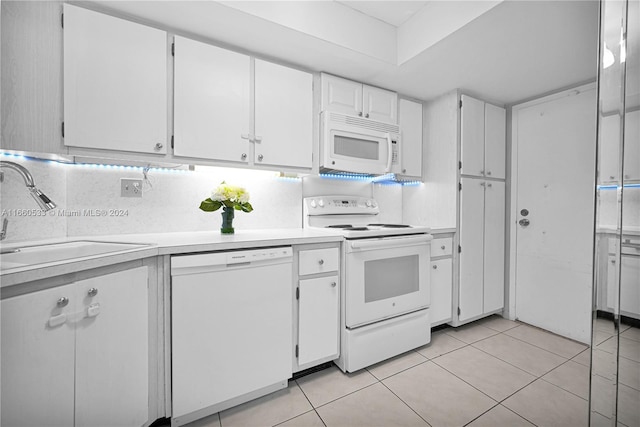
466	152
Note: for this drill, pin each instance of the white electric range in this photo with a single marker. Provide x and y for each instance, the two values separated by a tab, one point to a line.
385	293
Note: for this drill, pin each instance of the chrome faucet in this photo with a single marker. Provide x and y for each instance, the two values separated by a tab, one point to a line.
41	199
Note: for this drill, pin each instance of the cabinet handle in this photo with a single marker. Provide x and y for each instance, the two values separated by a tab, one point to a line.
257	138
613	261
367	115
483	184
321	262
488	172
442	247
62	302
360	113
244	156
92	292
612	177
244	136
489	185
435	267
627	177
404	171
260	157
333	284
482	172
158	146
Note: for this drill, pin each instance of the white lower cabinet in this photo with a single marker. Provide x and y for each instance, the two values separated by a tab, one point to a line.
441	287
317	306
629	289
77	354
441	276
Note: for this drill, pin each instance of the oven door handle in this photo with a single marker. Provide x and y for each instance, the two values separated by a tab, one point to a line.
392	242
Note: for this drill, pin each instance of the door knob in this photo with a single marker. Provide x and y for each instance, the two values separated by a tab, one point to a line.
524	222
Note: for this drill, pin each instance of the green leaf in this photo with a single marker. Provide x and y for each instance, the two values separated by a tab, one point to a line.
209	205
246	207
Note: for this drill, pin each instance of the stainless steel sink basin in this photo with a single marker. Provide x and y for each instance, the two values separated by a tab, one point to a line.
31	255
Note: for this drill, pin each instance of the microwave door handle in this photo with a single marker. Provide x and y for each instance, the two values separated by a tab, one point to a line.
389	153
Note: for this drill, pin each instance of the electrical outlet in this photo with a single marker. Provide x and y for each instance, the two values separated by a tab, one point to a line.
130	187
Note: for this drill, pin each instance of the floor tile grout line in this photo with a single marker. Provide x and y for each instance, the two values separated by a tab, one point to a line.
547	350
509	363
313	408
345	395
402	400
396	373
562	388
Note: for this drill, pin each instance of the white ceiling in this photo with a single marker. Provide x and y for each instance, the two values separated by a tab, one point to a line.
502	51
395	13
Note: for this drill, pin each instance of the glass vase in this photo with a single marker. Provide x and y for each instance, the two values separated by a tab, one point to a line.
227	221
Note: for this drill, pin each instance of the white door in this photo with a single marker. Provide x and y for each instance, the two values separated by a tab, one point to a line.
112	357
115	83
380	104
471	295
341	95
494	233
472	137
441	286
284	117
211	102
495	131
38	359
555	139
318	319
410	122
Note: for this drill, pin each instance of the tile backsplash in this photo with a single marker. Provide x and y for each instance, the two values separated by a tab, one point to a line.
170	200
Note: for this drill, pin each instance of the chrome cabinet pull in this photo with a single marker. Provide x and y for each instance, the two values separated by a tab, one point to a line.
260	157
367	115
158	146
435	267
244	156
62	302
321	262
92	292
442	247
333	284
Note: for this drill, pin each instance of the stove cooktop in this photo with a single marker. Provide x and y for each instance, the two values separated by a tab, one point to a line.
375	230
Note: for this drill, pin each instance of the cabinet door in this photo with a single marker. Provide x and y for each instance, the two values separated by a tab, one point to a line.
472	242
410	121
632	146
380	104
494	206
284	117
495	130
211	102
112	358
341	95
318	319
612	284
472	137
115	83
441	287
609	146
630	286
38	359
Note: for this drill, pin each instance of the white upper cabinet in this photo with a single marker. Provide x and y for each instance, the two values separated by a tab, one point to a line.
211	102
483	136
356	99
495	128
410	121
632	146
115	83
283	116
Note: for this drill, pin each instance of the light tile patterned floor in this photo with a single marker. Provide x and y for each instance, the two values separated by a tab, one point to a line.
493	372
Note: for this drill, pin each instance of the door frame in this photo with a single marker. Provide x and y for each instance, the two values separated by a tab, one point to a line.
512	192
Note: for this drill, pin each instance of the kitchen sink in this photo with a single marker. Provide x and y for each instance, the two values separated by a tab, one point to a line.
24	256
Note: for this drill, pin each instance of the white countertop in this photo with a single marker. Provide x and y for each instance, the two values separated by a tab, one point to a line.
158	244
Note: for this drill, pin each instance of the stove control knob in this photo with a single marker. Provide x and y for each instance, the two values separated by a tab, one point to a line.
368	203
313	204
321	203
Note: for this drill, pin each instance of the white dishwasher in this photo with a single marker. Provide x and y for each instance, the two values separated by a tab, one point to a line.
231	328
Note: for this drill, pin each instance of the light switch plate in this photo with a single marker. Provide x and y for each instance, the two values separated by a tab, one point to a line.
130	187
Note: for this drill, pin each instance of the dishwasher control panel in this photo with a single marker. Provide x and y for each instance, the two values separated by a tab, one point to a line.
258	255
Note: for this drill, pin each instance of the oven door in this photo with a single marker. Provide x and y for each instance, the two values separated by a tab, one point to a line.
385	277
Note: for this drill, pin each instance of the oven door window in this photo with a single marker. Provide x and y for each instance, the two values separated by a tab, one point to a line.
384	282
391	277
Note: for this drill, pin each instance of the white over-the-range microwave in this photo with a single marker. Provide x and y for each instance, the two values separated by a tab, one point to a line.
359	145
